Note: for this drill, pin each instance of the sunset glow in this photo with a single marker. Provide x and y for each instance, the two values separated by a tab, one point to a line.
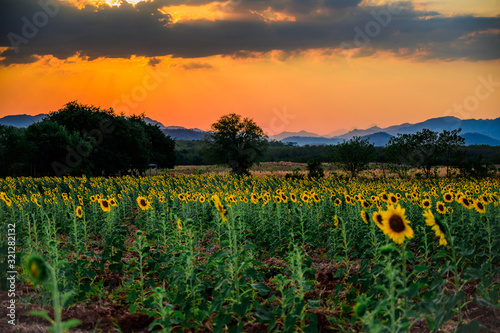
189	63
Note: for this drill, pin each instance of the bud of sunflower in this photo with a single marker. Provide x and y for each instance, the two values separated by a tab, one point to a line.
37	269
387	249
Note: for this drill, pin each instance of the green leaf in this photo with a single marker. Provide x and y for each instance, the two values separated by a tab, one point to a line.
70	323
442	317
314	303
472	327
222	320
472	274
133	308
42	314
452	301
132	297
313	324
289	324
420	268
261	288
241	308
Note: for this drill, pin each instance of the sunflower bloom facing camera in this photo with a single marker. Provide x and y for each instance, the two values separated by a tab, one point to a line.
395	224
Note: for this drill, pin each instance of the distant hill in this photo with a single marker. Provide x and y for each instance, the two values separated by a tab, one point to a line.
21	120
148	120
378	139
307	140
475	131
284	135
335	133
479	139
479	131
181	133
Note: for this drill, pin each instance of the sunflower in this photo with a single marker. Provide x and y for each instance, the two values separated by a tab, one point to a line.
429	218
179	224
440	207
396	226
336	220
365	204
364	216
338	202
466	202
5	198
378	219
220	207
143	203
479	206
384	197
293	197
79	212
426	204
393	199
105	206
348	198
448	197
484	199
436	226
201	199
305	197
112	202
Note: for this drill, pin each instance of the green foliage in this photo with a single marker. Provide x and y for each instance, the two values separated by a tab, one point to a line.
354	155
238	142
84	139
315	169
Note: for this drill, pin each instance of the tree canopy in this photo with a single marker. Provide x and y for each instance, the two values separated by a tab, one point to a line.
86	139
237	142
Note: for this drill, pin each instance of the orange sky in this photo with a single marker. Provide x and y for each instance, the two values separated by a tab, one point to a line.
316	90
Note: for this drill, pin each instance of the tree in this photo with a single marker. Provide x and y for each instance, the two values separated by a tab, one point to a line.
162	146
14	152
117	143
354	155
449	145
425	150
51	144
315	168
237	142
398	151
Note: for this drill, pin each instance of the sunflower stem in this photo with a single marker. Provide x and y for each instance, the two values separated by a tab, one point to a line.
403	262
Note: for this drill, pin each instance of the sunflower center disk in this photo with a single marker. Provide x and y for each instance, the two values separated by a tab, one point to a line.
396	223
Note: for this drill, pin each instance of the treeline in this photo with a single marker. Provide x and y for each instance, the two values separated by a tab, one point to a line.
81	139
424	150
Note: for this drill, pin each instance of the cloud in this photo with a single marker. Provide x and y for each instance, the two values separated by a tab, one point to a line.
153	62
142	30
196	65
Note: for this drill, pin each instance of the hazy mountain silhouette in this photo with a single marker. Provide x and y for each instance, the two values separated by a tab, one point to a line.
475	131
21	120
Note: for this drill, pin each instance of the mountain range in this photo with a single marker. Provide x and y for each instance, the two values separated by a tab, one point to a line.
475	131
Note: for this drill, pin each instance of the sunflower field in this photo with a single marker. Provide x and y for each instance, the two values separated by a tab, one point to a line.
217	253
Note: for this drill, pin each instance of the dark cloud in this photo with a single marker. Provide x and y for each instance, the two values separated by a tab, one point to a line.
153	62
196	65
142	30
